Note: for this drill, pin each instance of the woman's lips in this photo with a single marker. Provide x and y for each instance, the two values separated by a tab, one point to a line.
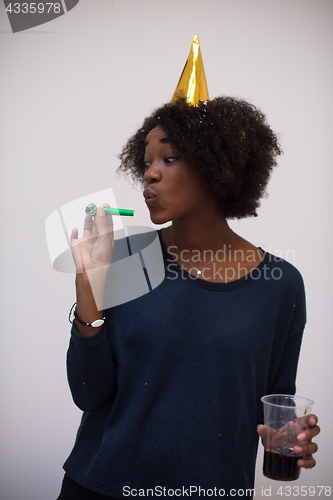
149	196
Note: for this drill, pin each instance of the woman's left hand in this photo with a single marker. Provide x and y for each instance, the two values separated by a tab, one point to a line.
307	461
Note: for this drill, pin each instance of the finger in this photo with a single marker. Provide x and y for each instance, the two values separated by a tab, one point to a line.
87	226
261	430
306	462
101	222
303	422
109	218
307	420
266	431
74	234
94	227
308	434
307	449
313	431
77	251
313	420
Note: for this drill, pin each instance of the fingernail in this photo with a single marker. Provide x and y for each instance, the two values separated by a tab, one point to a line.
101	212
300	463
297	449
301	437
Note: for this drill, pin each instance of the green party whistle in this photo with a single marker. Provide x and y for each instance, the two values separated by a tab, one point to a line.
92	209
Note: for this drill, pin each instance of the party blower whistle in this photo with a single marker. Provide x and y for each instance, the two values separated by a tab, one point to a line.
92	208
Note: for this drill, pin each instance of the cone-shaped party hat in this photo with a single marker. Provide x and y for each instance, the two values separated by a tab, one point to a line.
192	83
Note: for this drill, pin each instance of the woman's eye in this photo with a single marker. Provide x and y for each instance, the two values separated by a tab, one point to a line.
170	159
146	165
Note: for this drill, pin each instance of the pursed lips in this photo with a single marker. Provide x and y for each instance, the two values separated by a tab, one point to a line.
149	194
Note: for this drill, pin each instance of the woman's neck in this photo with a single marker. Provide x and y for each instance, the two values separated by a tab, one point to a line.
211	251
198	235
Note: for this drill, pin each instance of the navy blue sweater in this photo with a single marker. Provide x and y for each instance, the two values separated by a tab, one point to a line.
171	385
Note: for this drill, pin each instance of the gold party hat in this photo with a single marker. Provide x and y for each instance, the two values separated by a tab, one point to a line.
192	83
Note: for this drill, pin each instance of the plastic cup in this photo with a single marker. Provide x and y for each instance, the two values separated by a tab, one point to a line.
285	417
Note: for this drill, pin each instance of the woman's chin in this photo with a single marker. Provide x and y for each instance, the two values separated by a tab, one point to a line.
159	218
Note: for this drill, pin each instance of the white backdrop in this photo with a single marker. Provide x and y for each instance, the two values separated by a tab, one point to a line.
72	92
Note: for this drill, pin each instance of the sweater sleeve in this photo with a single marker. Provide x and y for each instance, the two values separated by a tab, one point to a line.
284	381
285	376
90	369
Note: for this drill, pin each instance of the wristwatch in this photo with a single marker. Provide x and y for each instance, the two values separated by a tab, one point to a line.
94	324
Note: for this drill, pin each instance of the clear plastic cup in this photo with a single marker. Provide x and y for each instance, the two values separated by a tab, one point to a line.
285	417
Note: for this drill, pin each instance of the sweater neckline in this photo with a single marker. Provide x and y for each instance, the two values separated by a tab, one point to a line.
196	281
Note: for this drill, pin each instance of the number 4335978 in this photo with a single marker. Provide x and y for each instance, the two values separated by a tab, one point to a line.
303	491
33	8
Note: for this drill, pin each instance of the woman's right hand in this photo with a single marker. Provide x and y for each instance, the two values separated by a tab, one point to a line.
94	249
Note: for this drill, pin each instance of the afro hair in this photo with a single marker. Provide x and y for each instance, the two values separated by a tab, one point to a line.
226	141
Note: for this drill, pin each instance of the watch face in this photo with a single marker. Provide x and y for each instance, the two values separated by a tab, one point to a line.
97	322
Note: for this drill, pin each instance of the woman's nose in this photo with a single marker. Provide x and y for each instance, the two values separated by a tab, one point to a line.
152	174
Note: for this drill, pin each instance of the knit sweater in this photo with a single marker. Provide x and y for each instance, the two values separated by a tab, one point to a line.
170	386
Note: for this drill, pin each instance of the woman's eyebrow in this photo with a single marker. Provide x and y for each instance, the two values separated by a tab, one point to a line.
164	140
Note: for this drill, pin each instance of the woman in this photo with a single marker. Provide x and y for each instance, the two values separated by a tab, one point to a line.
170	384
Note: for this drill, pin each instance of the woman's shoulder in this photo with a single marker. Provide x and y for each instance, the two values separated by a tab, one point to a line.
284	273
266	264
274	260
